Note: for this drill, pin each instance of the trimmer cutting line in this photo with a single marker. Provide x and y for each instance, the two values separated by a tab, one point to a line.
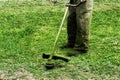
50	64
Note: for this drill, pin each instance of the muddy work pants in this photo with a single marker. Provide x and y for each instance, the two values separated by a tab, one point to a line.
78	24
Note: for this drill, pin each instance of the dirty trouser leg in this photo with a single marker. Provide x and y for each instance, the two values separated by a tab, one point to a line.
83	16
71	26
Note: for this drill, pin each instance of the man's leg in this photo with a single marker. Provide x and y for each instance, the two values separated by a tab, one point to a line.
71	28
83	16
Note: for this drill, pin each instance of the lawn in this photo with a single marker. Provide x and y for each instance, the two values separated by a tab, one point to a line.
28	28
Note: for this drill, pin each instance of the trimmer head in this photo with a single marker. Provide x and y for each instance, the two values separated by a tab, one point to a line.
49	66
56	57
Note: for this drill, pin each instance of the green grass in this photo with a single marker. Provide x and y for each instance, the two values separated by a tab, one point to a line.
28	29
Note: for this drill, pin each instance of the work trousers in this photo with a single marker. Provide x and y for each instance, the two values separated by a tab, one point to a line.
78	24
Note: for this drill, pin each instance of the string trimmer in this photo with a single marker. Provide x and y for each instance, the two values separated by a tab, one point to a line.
50	64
